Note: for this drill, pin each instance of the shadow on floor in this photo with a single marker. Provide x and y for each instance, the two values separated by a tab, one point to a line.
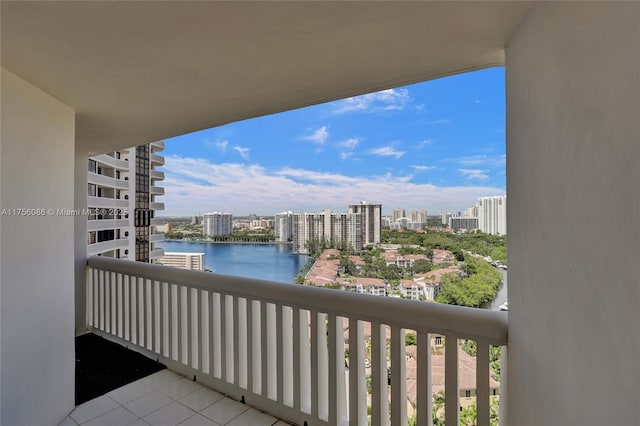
102	366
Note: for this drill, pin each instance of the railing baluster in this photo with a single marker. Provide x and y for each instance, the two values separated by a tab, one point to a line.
214	335
264	350
190	310
304	350
89	301
504	394
218	335
250	348
142	335
424	399
256	347
279	355
133	306
357	391
237	366
172	320
162	320
119	305
102	301
114	304
482	382
379	381
151	304
223	337
200	344
398	377
296	353
337	382
451	387
126	307
315	369
242	356
287	356
107	302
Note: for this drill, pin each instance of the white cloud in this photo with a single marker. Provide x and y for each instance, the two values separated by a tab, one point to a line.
481	160
244	152
195	185
474	174
222	145
384	100
319	136
350	143
345	155
441	121
423	168
387	151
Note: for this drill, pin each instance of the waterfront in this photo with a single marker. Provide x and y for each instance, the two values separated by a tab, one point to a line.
273	262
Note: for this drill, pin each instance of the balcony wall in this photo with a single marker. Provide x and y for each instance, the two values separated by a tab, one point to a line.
573	145
37	262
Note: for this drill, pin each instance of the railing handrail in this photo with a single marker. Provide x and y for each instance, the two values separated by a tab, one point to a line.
470	323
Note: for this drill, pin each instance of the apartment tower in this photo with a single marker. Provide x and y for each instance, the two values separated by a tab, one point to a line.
122	201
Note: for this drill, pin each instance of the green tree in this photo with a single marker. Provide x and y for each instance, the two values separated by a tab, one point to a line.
410	339
299	279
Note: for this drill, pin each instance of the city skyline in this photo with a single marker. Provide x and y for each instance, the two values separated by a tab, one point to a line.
436	146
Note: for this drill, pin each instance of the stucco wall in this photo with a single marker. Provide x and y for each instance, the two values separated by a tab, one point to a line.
36	270
573	153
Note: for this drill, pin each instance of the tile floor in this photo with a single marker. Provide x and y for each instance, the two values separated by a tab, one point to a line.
168	399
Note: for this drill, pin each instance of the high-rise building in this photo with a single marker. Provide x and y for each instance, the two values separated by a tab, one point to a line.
463	222
121	201
283	226
340	230
371	221
419	216
217	223
492	215
397	214
444	218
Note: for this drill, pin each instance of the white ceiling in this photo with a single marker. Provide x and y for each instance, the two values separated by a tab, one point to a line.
143	71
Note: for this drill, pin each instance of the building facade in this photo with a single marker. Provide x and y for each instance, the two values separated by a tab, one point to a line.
283	226
371	221
217	223
121	203
463	222
340	230
492	215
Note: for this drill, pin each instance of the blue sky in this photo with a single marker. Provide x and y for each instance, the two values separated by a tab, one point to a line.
434	146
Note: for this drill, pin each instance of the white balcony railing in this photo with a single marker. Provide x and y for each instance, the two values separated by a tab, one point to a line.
281	347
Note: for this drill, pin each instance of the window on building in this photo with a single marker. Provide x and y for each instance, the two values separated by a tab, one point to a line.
92	190
92	166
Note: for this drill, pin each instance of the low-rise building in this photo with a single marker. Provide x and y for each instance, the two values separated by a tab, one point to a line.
191	261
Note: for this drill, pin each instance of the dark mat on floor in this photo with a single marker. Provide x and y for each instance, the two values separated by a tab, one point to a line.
102	366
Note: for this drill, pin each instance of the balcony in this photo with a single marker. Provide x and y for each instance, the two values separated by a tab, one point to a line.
107	246
112	161
156	160
282	348
156	253
157	175
107	181
104	202
156	190
156	206
157	146
156	238
100	224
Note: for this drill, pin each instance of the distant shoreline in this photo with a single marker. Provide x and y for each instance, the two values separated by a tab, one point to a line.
228	242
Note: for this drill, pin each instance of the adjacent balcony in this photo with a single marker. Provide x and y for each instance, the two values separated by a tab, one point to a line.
157	160
157	175
156	238
156	206
301	354
157	146
107	181
112	161
104	202
101	224
156	190
105	246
